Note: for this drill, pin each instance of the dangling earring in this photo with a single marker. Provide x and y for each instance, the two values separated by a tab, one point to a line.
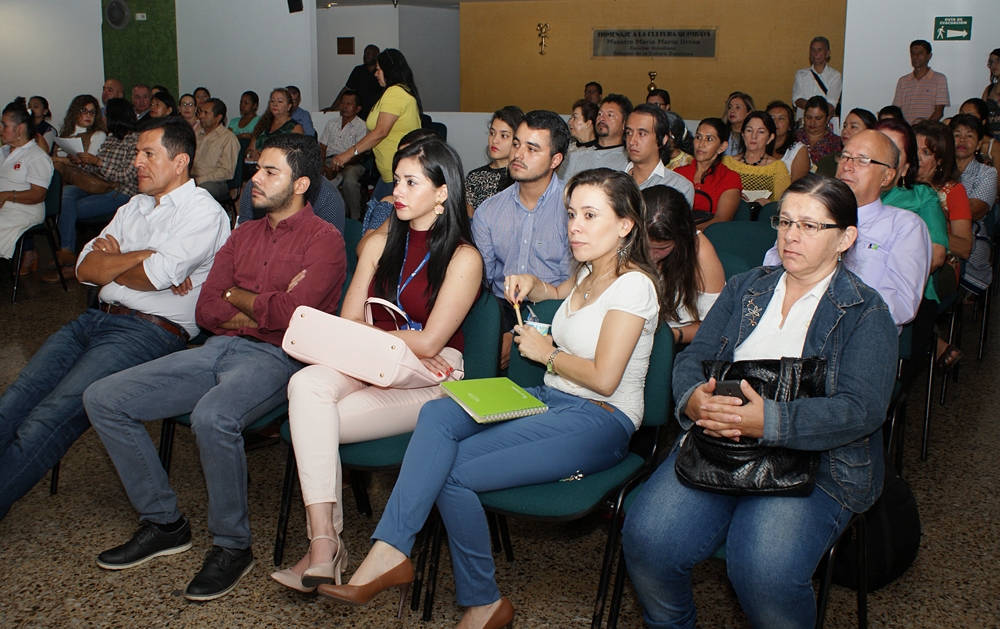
622	252
840	256
439	209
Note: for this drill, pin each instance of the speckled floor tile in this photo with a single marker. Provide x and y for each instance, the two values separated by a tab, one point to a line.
48	543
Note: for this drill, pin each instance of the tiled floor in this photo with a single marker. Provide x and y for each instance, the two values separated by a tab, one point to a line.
48	543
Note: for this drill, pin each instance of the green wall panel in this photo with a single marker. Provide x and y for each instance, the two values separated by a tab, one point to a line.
143	52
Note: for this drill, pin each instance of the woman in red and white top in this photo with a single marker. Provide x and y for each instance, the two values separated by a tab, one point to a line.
717	189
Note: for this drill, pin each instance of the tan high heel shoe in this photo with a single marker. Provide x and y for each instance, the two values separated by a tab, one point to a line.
357	595
289	579
503	617
326	572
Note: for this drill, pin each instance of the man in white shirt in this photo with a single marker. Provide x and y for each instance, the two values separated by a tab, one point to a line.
609	150
150	262
340	134
817	80
648	143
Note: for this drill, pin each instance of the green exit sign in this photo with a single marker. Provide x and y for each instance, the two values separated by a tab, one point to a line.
953	28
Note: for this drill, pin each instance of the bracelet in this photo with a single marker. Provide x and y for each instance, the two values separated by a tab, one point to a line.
546	287
680	335
15	197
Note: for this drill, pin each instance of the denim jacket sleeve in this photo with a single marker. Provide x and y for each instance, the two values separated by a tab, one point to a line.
861	355
709	343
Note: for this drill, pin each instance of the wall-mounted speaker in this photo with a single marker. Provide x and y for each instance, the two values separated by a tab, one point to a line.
294	6
117	14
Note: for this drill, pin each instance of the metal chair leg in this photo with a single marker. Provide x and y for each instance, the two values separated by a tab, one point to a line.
54	248
508	548
16	270
432	569
54	482
361	492
166	443
286	506
929	398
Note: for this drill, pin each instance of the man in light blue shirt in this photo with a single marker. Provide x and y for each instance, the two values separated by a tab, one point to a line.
299	115
523	229
893	251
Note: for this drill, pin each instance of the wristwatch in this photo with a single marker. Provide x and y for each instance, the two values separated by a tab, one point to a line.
226	295
550	365
356	150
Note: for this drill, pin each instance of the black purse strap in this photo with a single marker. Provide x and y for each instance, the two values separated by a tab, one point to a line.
822	85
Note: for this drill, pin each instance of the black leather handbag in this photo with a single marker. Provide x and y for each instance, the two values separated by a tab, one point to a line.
747	468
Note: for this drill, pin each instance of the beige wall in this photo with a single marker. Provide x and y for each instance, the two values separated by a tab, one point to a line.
759	46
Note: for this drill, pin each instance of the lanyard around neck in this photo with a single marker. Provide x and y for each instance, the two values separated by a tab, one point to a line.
400	285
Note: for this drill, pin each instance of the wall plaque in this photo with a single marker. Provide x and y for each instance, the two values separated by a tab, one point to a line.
694	42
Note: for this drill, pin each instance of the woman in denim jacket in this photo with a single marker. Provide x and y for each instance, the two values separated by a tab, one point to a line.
774	543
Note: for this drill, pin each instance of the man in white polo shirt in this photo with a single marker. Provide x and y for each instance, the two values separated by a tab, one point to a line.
819	79
149	263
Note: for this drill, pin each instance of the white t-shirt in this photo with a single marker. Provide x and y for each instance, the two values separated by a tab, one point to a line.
704	303
770	340
791	154
577	332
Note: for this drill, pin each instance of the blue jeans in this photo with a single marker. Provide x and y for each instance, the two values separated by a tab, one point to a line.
77	204
226	385
451	457
773	545
41	413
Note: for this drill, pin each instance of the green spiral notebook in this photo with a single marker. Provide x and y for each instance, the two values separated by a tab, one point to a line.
493	399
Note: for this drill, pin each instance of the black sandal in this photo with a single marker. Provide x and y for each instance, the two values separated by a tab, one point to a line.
949	357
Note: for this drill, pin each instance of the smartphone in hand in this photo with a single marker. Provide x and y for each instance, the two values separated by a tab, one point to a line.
730	388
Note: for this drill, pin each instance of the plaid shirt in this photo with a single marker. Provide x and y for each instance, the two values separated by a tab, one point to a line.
118	163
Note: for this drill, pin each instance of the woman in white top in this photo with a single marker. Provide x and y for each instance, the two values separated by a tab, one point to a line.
593	389
84	120
25	174
690	272
786	147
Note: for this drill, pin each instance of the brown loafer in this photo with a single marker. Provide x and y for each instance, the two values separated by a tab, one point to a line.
66	257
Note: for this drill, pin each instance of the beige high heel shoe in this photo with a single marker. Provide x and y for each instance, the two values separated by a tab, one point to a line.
326	573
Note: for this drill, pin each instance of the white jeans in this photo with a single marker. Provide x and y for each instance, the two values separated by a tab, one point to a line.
327	408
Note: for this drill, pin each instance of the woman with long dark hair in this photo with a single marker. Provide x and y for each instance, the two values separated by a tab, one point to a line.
114	163
426	265
593	390
395	114
681	142
691	275
716	188
764	178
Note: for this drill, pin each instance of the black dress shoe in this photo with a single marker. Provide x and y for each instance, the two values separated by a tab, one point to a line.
148	542
223	569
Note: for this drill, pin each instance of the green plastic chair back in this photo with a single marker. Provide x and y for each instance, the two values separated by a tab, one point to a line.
352	236
732	265
747	240
742	212
767	212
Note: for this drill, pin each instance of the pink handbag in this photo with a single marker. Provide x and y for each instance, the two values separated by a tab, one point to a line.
361	351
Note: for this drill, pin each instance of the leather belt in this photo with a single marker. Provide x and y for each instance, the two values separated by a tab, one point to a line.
114	309
607	407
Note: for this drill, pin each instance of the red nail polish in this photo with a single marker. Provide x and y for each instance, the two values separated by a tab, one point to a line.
440	375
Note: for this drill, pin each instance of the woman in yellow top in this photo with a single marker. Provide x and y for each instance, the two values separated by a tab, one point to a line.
764	177
393	116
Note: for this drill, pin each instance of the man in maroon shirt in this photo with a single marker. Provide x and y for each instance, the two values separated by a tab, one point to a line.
266	269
